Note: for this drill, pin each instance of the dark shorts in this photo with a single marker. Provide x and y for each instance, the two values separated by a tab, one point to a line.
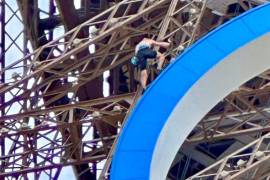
143	55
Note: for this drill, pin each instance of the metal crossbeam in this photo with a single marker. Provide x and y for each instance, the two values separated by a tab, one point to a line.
52	148
245	111
40	119
249	162
63	53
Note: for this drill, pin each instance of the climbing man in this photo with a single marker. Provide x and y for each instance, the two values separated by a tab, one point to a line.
144	51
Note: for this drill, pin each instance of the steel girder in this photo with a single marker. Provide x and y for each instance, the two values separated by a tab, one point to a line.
117	30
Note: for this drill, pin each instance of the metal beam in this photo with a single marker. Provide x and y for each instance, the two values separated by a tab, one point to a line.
243	163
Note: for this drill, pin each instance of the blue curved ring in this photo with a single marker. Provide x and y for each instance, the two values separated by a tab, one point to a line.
133	155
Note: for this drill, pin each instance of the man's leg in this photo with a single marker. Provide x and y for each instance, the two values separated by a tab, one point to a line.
144	77
160	59
153	54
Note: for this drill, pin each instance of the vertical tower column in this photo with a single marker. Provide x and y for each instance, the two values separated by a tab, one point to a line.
2	49
2	75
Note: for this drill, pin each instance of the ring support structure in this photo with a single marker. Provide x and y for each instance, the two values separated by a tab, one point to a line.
183	94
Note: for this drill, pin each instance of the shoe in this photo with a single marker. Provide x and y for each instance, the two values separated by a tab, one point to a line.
143	91
159	71
162	69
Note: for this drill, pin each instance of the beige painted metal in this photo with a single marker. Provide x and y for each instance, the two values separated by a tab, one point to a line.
161	18
249	162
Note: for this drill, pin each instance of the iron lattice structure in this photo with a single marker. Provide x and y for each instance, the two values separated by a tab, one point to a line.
53	112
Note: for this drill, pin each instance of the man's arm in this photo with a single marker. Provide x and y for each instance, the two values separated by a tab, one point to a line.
161	44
